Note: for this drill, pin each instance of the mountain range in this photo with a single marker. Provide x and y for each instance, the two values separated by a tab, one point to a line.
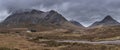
48	20
37	19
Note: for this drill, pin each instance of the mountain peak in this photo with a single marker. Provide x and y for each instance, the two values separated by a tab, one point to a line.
108	18
36	11
53	11
107	21
27	11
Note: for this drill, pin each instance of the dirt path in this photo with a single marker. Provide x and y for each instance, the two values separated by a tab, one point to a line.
115	42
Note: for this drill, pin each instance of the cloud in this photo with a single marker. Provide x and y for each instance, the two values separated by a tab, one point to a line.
3	15
84	11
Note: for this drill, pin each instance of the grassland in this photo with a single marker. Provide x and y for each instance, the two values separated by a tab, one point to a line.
16	42
46	40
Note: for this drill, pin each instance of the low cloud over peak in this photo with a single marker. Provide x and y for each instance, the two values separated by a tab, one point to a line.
84	11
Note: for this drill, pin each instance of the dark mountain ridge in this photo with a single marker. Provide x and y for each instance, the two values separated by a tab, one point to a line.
76	23
107	21
37	19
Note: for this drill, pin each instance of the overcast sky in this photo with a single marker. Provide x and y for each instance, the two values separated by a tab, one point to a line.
84	11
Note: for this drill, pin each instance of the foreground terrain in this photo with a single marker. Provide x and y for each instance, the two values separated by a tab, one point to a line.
55	40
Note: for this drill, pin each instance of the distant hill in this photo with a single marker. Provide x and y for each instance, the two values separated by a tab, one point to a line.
107	21
76	23
37	19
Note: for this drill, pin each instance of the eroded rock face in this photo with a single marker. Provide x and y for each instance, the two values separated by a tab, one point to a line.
107	21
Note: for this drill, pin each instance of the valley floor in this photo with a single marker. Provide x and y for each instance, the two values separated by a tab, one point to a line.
25	42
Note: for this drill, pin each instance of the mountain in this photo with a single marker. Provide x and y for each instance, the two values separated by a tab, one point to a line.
76	23
37	19
107	21
34	17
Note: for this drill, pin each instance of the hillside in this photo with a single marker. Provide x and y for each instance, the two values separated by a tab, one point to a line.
36	19
107	21
103	33
76	23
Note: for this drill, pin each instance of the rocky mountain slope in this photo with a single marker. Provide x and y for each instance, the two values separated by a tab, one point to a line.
37	19
76	23
107	21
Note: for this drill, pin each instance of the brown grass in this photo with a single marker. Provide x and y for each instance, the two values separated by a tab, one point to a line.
18	42
31	41
102	32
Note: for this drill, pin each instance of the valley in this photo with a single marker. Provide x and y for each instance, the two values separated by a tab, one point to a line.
38	30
